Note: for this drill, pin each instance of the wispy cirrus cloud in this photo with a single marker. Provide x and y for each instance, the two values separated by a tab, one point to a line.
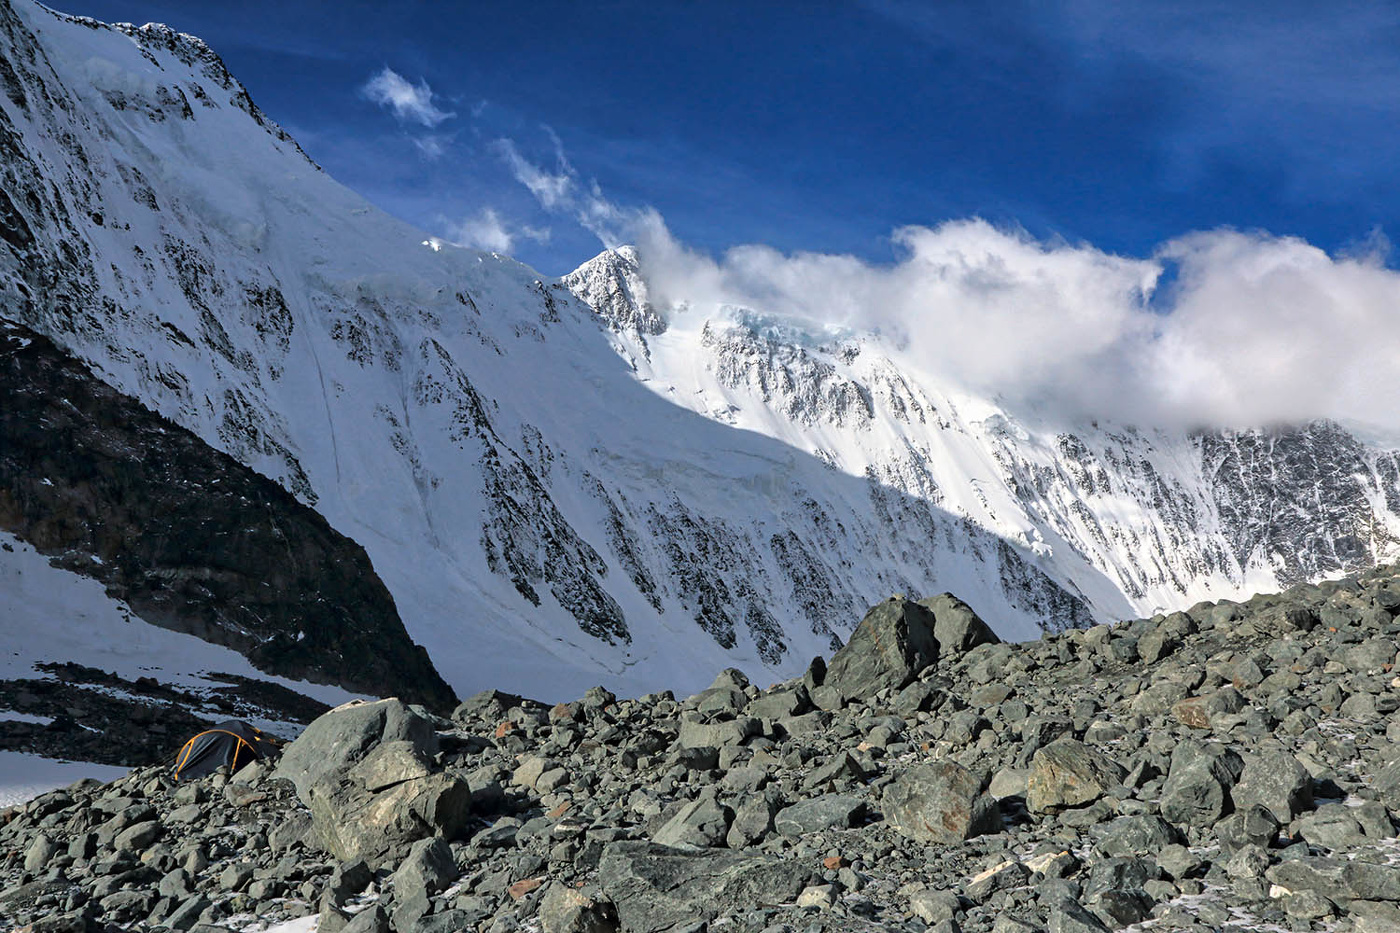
432	146
554	189
562	190
410	103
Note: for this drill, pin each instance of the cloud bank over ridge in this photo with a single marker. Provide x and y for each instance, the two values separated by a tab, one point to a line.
1220	328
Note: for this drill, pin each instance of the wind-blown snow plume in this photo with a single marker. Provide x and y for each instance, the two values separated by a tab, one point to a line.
488	230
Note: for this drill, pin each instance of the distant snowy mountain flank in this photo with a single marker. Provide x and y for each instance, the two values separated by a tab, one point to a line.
558	483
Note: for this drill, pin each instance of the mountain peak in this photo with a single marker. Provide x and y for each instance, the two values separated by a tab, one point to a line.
612	284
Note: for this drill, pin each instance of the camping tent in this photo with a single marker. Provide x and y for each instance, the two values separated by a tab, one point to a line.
231	743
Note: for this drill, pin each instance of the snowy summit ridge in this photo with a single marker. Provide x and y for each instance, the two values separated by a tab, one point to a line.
558	482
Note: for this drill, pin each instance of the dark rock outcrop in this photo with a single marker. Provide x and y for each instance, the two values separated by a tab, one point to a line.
957	628
891	645
187	536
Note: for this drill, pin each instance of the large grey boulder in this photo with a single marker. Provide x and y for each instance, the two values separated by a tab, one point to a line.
753	821
1252	825
1198	785
1144	834
340	739
658	889
940	802
1332	826
934	906
1387	784
1068	773
354	822
701	823
781	703
429	867
367	774
1071	917
891	645
1277	781
829	811
957	628
371	920
39	852
1338	878
717	734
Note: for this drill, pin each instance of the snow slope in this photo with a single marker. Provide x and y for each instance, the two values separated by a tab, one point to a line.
562	490
50	614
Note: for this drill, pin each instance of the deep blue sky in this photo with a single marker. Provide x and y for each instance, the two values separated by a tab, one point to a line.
823	126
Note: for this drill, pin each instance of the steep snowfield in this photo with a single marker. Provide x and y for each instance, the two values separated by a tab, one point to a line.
556	495
50	614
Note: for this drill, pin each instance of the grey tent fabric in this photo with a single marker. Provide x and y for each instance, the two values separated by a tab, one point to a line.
233	743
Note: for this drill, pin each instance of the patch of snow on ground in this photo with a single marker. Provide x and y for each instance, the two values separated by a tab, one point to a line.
10	715
24	777
250	924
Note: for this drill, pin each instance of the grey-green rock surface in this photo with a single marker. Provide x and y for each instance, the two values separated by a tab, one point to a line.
1052	785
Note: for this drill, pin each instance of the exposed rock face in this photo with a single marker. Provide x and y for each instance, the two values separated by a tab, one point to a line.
615	289
190	538
367	774
893	642
86	714
1297	496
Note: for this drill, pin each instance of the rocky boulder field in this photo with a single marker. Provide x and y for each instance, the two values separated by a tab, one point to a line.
1232	767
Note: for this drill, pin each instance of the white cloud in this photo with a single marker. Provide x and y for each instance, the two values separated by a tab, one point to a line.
1272	328
432	146
538	234
553	190
409	102
1255	329
489	231
484	231
562	191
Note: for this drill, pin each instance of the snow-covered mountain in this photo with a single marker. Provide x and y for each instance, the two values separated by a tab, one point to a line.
558	482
